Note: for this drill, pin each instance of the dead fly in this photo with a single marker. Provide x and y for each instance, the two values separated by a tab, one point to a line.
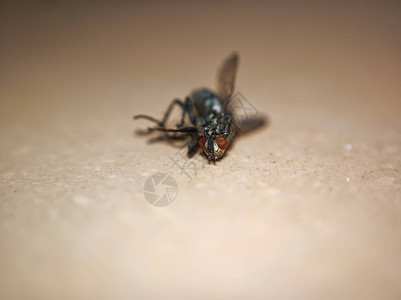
213	123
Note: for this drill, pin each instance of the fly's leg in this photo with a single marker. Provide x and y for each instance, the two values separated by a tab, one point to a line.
179	130
186	107
187	130
146	117
161	124
190	111
166	115
170	109
193	146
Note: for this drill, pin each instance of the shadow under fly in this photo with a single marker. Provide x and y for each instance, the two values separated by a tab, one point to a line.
213	119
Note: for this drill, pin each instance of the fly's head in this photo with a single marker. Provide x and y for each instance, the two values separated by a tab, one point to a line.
216	133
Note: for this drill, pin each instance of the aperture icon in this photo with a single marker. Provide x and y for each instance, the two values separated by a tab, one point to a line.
160	189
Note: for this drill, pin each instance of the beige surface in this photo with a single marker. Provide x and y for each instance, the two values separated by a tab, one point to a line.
307	208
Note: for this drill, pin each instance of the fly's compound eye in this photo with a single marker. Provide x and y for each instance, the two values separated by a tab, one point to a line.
202	143
221	142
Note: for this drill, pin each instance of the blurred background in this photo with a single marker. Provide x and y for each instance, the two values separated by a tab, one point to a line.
308	207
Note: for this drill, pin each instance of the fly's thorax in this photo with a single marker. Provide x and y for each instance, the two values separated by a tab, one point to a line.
206	102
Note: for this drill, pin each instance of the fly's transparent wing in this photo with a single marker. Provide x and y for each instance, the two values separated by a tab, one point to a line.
226	77
245	126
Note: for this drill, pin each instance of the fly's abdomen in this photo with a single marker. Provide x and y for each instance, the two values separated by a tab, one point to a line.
206	102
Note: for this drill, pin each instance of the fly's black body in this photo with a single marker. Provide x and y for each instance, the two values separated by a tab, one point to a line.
213	124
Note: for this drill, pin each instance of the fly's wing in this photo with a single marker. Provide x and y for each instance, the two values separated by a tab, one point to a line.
226	77
250	124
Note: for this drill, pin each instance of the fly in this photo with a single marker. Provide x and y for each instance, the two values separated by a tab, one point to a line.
213	126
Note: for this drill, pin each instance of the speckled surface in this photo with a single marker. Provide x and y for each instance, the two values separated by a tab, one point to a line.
308	207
